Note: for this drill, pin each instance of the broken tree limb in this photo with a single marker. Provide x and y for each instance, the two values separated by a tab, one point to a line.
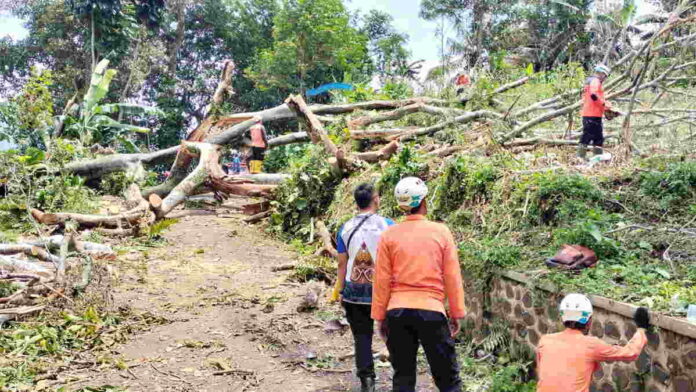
401	112
316	130
13	262
463	119
209	156
29	250
179	169
290	138
511	85
379	133
224	87
382	154
326	240
54	242
127	218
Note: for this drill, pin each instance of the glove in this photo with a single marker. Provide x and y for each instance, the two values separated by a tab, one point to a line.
335	294
642	318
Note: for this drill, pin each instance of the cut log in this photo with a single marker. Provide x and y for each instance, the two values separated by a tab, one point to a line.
382	154
255	208
258	217
290	138
97	168
326	239
447	151
249	190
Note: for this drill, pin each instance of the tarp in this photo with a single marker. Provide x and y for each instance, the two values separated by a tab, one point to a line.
331	86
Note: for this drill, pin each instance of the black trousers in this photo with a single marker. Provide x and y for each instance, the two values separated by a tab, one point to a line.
407	328
592	131
257	153
362	326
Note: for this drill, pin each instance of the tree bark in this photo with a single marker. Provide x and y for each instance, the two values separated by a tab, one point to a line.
326	239
382	154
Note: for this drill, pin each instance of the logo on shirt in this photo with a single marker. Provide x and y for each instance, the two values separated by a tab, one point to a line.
363	266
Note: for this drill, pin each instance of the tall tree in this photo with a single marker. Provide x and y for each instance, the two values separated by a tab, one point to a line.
313	43
387	46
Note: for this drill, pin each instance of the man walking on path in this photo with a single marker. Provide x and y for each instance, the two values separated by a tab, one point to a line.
357	250
594	107
567	360
417	268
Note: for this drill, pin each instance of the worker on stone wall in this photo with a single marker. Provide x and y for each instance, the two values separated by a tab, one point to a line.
567	360
417	269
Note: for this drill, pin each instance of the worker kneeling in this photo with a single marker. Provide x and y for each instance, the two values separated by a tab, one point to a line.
567	360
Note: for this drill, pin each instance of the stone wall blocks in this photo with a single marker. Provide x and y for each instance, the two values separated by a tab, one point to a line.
611	330
660	374
683	384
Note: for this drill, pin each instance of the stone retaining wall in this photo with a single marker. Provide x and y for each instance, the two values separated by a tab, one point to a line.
668	363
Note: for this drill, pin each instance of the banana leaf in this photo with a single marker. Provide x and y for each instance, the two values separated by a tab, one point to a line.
128	109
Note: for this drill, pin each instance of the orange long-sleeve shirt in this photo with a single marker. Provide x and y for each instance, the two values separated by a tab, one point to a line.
417	267
590	107
566	360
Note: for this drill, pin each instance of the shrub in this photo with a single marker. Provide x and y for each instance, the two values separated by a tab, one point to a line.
464	179
307	194
404	164
671	186
557	198
278	159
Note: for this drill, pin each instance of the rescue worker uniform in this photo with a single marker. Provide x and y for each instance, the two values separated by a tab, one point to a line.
593	108
358	238
567	360
417	268
258	142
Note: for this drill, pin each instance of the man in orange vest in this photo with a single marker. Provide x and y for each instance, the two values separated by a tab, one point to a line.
417	268
567	360
259	143
594	107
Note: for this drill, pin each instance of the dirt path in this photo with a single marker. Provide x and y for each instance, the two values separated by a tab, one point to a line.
228	313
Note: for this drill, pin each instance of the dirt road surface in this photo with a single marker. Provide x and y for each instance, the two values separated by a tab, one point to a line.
233	322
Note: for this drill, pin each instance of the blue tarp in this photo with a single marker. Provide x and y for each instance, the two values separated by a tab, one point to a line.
327	87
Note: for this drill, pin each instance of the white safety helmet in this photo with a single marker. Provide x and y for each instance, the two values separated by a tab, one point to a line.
576	307
410	192
603	69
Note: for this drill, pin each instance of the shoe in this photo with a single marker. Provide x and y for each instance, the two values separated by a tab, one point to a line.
597	151
582	151
367	384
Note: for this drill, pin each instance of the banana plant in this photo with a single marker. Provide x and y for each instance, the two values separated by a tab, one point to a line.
95	122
